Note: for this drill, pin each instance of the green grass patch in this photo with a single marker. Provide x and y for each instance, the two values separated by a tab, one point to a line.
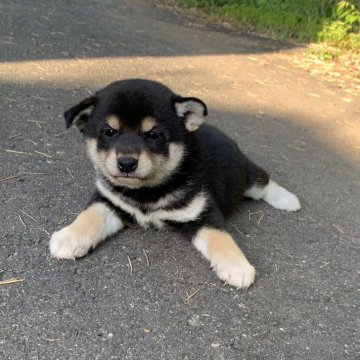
332	21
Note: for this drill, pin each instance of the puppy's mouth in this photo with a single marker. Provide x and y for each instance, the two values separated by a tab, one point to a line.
127	178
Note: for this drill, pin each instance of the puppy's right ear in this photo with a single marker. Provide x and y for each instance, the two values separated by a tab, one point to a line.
79	114
192	110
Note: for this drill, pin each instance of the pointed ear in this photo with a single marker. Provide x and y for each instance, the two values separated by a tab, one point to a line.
192	110
79	114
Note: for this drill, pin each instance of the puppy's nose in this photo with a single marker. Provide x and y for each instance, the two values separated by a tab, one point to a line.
127	164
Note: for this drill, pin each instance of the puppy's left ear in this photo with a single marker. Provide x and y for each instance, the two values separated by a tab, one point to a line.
79	114
193	110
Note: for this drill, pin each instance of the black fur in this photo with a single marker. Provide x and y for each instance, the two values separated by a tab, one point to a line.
212	163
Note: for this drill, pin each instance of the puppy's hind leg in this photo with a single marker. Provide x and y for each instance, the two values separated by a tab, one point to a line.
259	186
92	226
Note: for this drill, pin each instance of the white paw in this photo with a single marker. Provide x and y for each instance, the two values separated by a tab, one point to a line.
240	274
280	198
68	244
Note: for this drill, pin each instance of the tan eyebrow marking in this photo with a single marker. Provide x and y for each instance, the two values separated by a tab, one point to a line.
113	121
147	124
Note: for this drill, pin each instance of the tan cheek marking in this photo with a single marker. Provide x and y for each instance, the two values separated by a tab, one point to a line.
146	163
111	155
102	156
176	153
111	161
221	245
91	144
97	157
113	121
148	123
92	148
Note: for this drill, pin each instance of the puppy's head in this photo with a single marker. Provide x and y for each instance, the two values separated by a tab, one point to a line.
136	130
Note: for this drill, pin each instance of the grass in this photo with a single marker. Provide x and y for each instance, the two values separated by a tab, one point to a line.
333	22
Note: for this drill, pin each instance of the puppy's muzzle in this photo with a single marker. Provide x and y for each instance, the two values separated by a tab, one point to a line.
127	164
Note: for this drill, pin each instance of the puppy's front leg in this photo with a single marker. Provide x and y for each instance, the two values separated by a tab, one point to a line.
226	258
90	227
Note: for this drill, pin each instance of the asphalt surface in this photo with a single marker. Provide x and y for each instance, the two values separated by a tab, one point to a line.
303	130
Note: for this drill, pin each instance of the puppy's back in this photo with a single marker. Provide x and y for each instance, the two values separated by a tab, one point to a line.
224	167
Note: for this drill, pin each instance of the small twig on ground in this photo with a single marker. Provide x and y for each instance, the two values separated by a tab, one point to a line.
338	228
300	142
9	98
146	257
237	229
37	122
261	217
70	173
46	232
29	216
14	136
130	265
62	133
33	142
43	154
255	213
22	221
49	339
265	82
295	147
10	178
189	296
16	152
11	281
32	173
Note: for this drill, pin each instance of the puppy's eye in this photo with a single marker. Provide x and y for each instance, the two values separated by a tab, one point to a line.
152	135
109	132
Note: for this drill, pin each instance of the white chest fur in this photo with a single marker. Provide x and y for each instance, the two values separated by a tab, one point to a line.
157	215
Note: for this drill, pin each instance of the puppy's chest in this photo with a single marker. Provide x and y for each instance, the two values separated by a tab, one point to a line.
157	213
144	216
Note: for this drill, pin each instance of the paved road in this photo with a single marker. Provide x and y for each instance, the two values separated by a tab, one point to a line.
305	303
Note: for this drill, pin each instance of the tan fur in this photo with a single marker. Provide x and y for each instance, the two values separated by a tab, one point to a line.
111	162
164	166
92	147
89	221
91	226
195	118
152	169
226	258
221	245
114	122
148	124
98	158
145	162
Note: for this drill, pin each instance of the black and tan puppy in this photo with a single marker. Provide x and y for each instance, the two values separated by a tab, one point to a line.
157	165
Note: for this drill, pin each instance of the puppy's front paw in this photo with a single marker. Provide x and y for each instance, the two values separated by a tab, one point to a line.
68	244
240	274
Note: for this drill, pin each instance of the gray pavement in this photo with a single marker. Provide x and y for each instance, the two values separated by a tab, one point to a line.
306	132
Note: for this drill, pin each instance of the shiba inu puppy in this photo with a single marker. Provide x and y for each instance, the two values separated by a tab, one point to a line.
158	165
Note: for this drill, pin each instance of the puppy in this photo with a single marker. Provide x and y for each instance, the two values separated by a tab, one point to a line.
158	165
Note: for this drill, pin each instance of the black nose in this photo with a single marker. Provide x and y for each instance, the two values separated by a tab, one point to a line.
127	164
